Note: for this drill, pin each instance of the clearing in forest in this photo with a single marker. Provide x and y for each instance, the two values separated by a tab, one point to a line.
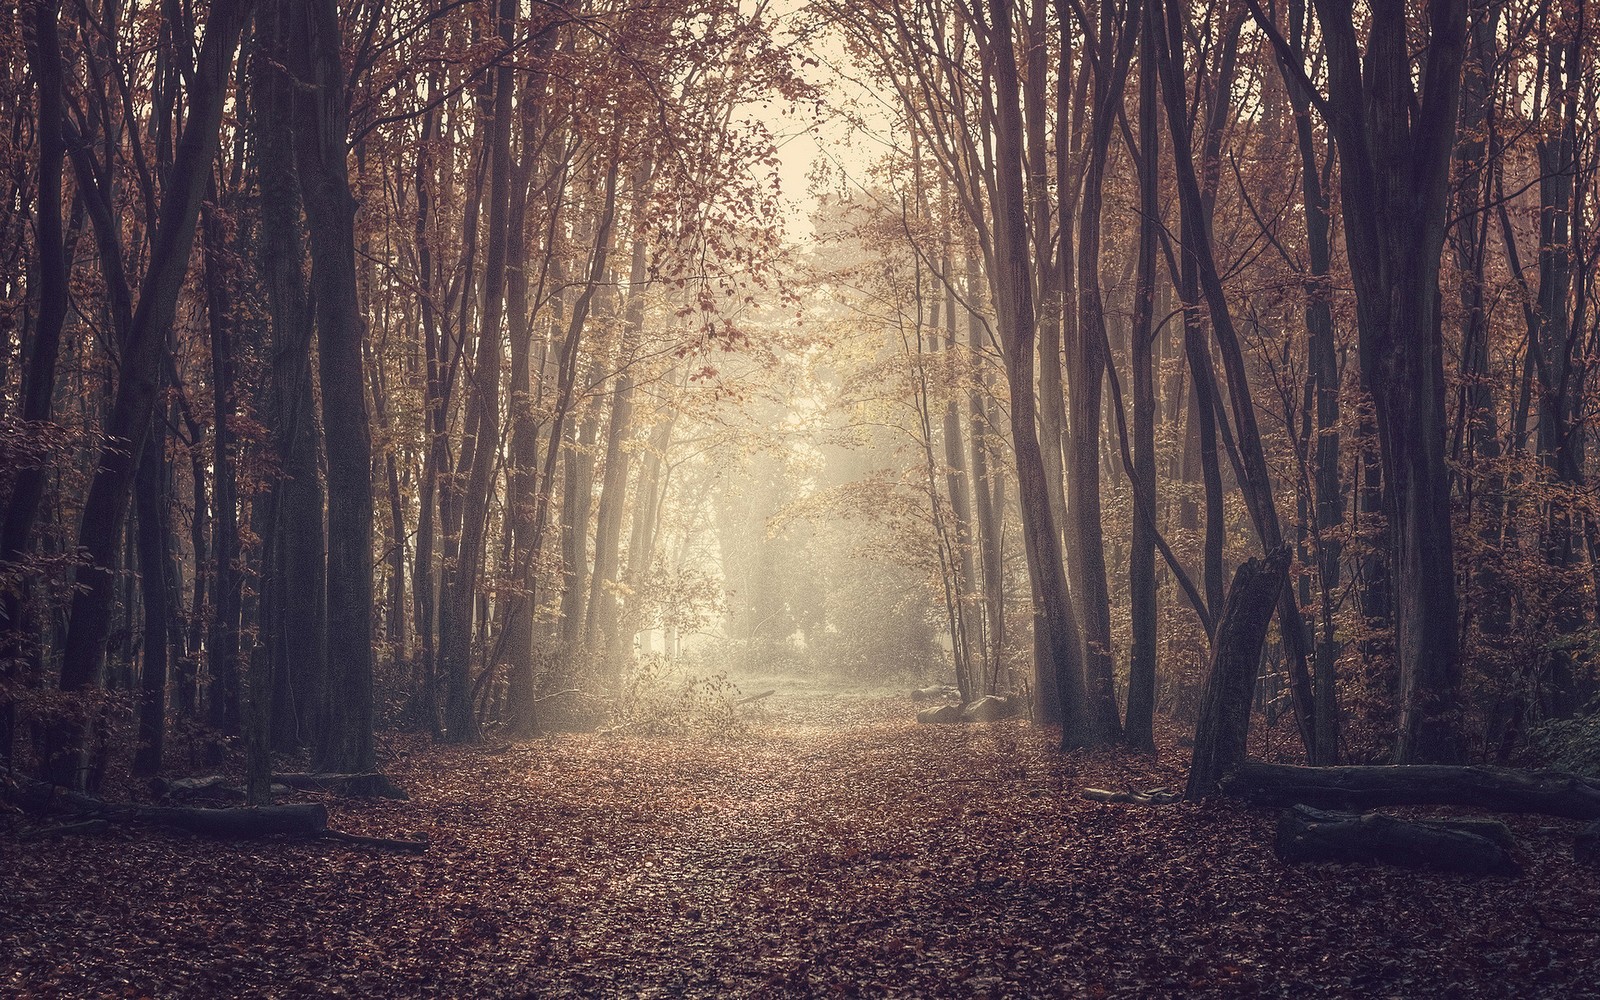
833	847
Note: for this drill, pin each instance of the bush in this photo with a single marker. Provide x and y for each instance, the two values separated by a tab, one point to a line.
1570	744
659	701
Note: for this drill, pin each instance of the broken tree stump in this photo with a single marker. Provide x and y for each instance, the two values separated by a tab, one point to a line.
1221	734
1551	793
1477	846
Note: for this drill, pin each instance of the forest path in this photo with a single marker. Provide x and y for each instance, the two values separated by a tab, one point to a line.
836	847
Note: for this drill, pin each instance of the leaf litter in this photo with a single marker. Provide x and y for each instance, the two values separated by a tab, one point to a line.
832	847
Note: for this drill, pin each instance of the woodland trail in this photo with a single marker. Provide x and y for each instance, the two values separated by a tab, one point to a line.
836	848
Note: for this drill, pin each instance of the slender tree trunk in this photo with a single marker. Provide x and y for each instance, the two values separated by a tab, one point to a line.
601	635
1086	377
222	639
154	556
1139	729
984	477
321	148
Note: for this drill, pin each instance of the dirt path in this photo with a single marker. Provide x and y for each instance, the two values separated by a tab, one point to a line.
836	849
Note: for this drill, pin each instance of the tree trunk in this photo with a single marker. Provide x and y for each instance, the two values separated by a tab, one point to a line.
984	475
154	555
1139	728
524	454
321	147
293	585
1395	146
1255	480
601	638
222	636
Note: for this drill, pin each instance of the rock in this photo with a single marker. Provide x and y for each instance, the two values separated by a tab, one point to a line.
943	715
935	692
1586	847
991	708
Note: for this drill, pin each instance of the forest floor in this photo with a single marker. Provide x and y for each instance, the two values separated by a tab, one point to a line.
833	847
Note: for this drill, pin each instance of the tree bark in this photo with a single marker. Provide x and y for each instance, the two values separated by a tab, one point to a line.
601	639
154	557
321	130
222	635
293	584
1139	726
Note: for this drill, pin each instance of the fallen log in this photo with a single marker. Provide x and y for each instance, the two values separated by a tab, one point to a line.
944	715
1477	846
217	788
371	785
300	820
756	697
1550	793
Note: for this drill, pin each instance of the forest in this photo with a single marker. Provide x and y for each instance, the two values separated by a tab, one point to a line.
799	497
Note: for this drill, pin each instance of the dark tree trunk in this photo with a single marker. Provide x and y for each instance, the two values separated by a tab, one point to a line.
1139	728
1324	384
577	502
344	737
293	602
524	454
1086	377
154	557
39	381
984	475
601	641
222	634
1249	456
